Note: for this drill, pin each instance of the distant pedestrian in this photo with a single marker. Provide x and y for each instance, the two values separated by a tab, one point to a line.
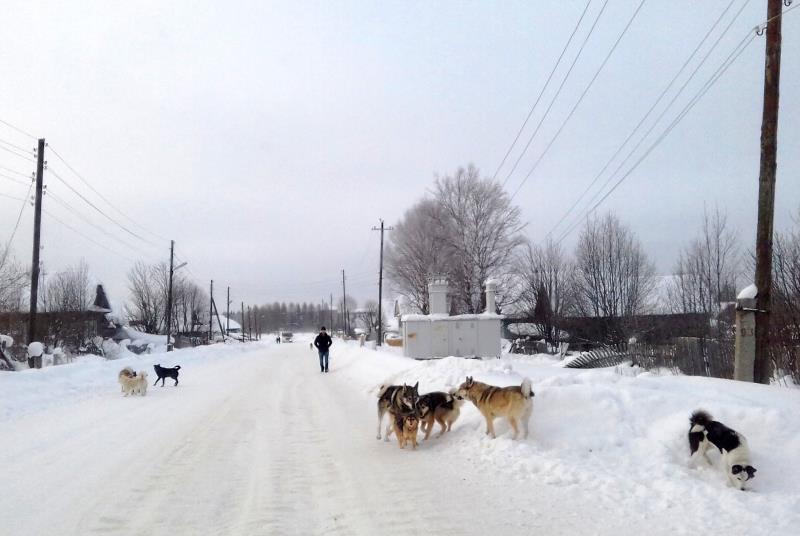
323	343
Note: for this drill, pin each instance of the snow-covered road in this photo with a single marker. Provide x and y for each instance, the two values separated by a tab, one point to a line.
256	441
260	444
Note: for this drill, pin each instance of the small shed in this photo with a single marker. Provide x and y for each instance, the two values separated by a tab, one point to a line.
439	334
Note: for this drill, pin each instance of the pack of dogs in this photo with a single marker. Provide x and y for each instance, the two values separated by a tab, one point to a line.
135	383
409	412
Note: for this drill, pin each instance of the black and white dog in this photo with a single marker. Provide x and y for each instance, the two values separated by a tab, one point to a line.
705	431
166	372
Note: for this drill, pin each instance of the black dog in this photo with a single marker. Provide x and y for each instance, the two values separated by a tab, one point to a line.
166	372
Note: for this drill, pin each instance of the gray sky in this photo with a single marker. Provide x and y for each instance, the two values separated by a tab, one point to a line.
267	138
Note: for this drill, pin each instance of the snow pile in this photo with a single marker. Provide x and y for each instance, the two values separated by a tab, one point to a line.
619	434
95	377
748	293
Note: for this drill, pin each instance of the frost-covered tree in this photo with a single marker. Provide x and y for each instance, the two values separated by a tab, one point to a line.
468	230
614	276
706	270
546	283
69	289
13	281
416	251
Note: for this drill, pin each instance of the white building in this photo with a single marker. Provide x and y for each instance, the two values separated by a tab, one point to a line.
440	335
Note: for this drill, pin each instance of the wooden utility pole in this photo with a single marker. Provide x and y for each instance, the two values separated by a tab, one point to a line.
380	285
344	306
169	292
211	313
228	313
766	190
37	243
241	329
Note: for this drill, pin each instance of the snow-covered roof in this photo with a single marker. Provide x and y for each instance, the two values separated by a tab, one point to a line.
454	318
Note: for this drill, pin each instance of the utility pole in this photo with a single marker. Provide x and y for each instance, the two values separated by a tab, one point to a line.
228	314
380	285
210	313
249	324
169	293
766	190
242	327
37	243
344	306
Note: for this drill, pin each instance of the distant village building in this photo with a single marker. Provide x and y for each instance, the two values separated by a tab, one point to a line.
439	334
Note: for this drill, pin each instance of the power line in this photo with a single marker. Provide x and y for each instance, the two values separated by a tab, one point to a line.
13	179
15	153
77	213
558	92
16	225
646	115
18	147
50	214
580	99
715	76
9	170
671	102
95	207
544	87
31	136
101	196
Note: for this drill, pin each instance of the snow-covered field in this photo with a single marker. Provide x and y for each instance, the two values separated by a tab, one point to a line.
256	441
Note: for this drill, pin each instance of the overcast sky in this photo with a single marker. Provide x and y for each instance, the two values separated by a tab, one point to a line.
268	138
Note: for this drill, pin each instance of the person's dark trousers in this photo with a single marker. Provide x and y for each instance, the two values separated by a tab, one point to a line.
323	361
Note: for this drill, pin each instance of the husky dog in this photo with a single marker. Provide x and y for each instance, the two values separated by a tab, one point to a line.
140	383
397	400
405	428
444	408
166	372
705	431
127	380
514	403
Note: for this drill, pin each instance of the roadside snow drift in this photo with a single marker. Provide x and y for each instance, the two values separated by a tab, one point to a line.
255	440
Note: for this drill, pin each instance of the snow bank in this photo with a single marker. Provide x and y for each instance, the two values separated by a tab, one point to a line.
619	433
91	376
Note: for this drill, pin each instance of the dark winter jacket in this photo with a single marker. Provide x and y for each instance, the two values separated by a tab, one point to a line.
323	342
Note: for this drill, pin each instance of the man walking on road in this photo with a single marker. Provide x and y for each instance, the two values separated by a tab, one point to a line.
323	343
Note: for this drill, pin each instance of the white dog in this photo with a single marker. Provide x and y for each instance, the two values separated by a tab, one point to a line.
140	387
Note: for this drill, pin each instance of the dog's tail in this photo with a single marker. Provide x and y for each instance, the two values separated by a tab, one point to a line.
178	367
700	418
527	391
382	390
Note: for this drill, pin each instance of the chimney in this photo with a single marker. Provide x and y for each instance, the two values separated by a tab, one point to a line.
491	289
437	294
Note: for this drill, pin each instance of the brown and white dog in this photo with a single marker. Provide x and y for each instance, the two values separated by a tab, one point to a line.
397	400
441	407
127	380
515	403
406	428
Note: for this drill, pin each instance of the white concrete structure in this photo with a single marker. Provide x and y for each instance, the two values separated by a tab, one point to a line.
441	335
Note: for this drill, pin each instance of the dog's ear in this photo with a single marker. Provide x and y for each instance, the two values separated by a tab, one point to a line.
416	387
